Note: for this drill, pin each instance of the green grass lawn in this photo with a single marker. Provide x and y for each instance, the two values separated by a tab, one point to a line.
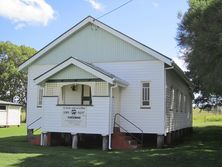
205	118
202	149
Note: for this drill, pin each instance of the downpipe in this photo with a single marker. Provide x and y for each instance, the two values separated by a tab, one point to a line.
110	114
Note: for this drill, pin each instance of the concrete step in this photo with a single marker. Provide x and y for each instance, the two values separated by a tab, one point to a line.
36	140
121	141
132	142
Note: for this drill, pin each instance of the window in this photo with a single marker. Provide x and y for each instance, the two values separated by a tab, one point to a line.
2	107
185	103
179	101
145	94
86	95
176	99
182	102
172	98
40	95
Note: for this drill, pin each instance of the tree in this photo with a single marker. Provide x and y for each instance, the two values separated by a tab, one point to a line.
13	83
200	37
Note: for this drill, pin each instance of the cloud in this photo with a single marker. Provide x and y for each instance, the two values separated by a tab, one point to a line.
27	12
180	62
155	4
95	5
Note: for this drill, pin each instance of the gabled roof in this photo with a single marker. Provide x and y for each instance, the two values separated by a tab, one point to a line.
92	20
96	71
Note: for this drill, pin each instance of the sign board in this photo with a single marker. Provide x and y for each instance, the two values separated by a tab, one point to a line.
74	116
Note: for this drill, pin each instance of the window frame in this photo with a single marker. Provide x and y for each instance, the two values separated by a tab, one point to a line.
40	88
176	100
185	103
172	98
142	106
181	102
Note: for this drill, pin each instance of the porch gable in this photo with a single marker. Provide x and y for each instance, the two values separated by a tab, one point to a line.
72	72
81	69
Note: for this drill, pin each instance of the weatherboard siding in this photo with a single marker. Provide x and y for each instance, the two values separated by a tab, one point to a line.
149	120
97	117
10	116
93	44
177	118
33	111
3	117
101	48
14	115
72	72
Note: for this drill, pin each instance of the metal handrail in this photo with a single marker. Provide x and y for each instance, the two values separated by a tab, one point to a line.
36	129
115	123
34	122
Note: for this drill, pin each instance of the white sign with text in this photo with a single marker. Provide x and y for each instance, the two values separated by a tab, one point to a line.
74	116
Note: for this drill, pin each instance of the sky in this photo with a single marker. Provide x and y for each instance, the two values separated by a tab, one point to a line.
36	23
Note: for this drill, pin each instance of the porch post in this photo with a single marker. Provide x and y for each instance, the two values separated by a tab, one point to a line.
105	143
74	141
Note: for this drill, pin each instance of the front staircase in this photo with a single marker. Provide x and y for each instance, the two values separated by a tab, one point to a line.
36	140
122	139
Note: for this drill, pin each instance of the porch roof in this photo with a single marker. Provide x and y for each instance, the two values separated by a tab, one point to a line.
88	67
8	103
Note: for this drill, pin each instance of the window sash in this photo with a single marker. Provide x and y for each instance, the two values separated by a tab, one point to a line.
185	103
172	98
145	95
40	95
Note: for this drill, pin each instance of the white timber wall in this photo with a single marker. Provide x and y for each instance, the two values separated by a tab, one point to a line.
3	117
97	117
93	44
149	120
10	116
33	111
116	100
178	114
14	115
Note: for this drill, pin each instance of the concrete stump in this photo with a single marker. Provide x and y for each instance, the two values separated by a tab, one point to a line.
44	139
74	141
169	138
160	140
29	134
105	143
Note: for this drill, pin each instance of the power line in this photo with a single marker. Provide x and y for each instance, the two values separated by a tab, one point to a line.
114	9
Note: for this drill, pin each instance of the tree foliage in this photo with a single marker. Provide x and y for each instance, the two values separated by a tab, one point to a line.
200	37
13	82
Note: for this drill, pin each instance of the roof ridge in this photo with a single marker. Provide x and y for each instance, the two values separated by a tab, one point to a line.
92	20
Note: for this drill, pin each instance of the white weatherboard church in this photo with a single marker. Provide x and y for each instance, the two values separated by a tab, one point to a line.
93	78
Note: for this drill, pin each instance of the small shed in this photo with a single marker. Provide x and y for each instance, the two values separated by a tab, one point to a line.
9	113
